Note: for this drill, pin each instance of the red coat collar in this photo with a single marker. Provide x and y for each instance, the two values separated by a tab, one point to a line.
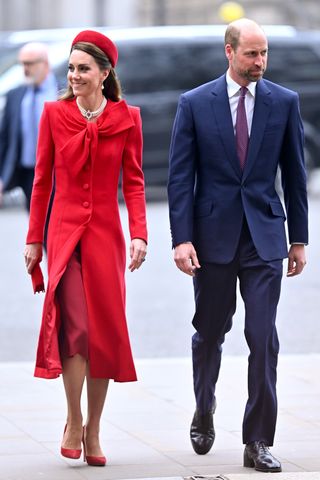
84	135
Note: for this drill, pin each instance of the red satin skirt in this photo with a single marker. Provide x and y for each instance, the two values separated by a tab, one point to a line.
73	335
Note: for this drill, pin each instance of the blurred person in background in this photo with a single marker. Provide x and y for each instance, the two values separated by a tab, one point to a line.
227	223
19	125
85	140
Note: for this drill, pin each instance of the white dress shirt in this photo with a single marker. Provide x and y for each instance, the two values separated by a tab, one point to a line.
31	110
233	90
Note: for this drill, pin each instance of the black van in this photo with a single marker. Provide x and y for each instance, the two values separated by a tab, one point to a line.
157	69
157	64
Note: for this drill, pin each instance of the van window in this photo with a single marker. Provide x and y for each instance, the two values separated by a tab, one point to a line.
169	66
8	58
292	63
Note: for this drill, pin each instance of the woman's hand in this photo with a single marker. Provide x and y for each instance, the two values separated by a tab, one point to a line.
138	251
32	255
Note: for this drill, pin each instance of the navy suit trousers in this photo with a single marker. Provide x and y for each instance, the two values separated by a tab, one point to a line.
215	299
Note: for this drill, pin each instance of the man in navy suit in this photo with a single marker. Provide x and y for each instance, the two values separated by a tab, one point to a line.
19	126
228	223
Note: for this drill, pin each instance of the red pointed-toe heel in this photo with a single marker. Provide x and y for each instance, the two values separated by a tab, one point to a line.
73	453
92	460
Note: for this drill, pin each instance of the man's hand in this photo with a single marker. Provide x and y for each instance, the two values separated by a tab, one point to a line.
186	258
296	260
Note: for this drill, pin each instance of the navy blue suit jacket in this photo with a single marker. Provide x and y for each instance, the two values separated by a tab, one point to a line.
10	136
208	193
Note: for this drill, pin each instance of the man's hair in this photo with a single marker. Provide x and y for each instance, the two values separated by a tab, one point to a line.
234	29
35	48
232	36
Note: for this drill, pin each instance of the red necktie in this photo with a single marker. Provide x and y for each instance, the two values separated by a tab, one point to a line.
242	135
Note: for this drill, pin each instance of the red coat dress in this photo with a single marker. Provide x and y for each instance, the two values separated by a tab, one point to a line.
86	160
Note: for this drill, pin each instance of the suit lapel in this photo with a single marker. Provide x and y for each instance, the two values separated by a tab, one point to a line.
260	117
221	111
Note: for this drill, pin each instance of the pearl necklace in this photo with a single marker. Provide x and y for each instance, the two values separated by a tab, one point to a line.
87	113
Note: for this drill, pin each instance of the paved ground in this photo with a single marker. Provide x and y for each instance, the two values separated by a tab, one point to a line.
159	297
145	424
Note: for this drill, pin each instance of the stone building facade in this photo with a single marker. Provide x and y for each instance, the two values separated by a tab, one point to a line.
291	12
30	14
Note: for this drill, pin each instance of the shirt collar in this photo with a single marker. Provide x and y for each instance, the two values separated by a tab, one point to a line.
48	83
233	87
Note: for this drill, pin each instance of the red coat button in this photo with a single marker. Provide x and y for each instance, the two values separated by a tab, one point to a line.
85	186
85	204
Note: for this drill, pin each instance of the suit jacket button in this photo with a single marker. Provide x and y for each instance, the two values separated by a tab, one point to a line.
85	204
85	186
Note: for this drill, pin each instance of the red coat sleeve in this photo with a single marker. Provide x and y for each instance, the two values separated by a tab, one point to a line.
42	184
133	179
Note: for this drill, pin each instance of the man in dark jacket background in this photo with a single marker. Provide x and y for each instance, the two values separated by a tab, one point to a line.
19	125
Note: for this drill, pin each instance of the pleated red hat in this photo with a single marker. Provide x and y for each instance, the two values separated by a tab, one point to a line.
101	41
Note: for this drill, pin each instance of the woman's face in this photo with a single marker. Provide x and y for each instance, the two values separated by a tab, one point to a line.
84	74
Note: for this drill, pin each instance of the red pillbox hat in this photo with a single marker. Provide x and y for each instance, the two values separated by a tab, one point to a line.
101	41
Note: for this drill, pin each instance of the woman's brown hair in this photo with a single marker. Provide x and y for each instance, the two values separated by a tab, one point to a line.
112	86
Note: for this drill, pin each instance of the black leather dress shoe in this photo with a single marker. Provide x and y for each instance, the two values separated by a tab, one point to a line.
257	455
202	432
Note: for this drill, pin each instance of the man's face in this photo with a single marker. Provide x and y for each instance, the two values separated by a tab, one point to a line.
249	61
35	67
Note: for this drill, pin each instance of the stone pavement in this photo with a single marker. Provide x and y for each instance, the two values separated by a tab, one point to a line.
145	427
145	424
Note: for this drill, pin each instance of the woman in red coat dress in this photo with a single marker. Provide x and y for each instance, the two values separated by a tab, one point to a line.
85	140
